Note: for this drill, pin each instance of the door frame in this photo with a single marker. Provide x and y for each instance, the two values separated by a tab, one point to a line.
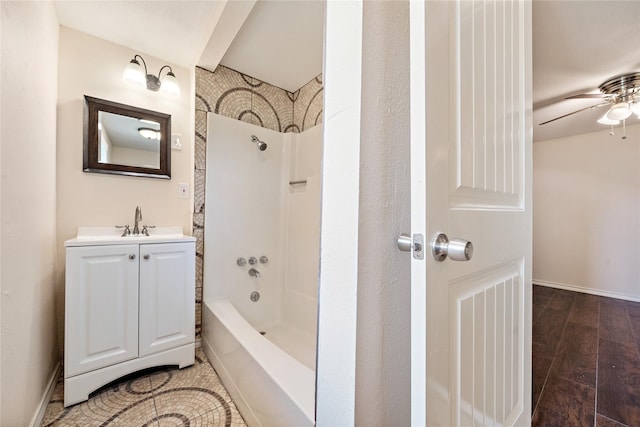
338	282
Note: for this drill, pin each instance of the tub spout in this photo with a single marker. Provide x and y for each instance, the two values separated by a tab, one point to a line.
254	273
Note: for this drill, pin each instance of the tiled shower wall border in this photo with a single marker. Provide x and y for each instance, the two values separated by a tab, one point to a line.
232	94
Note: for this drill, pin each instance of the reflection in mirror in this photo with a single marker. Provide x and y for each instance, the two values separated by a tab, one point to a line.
126	140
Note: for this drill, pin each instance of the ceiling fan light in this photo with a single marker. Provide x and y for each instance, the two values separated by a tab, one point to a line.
604	120
619	111
149	133
635	107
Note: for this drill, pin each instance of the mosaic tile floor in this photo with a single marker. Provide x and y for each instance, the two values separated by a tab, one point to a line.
192	396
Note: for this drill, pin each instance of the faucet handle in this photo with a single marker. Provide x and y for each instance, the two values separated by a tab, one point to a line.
145	228
126	232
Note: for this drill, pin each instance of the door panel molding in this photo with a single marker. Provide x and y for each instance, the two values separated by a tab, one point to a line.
487	158
487	343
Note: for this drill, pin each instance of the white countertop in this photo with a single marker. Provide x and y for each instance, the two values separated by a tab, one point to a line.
92	236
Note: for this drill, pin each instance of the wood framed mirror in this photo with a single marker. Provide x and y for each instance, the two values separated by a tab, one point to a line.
126	140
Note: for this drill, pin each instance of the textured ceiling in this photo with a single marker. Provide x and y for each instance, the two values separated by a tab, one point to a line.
281	43
577	45
172	30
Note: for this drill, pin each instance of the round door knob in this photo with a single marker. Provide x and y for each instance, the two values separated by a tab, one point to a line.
132	256
460	250
455	249
414	244
147	256
404	242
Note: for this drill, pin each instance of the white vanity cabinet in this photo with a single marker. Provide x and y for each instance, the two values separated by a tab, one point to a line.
129	305
167	311
101	307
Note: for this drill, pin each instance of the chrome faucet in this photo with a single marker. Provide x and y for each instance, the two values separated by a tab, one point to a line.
254	273
138	217
126	232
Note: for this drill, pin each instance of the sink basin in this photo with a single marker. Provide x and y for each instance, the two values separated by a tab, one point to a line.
102	233
112	235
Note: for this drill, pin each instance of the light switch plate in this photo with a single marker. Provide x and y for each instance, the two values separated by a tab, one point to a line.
176	143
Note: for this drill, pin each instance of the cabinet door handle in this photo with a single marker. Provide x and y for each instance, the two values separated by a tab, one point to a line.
147	256
132	256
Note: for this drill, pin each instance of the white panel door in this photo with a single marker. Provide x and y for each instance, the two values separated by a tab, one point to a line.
101	315
167	296
471	179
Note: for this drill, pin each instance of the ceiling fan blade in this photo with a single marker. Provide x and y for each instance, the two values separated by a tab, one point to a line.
574	112
588	95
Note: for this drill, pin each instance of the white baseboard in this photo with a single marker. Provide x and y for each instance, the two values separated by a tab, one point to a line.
36	421
591	291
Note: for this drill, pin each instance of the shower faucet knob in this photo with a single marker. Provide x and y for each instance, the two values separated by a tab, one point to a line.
264	259
253	260
241	262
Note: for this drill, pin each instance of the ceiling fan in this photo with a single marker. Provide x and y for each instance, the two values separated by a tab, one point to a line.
620	93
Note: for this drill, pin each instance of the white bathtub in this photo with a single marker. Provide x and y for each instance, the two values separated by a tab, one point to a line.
269	387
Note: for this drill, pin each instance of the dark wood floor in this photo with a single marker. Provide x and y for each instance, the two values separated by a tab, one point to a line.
586	360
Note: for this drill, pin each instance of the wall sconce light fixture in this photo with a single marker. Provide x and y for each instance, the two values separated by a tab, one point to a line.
135	74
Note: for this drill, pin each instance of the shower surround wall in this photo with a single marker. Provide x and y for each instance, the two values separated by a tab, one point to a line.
235	95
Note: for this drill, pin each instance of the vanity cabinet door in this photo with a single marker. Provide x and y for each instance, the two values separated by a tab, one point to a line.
167	296
101	314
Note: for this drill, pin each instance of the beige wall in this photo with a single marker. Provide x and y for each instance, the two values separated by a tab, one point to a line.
91	66
586	213
29	354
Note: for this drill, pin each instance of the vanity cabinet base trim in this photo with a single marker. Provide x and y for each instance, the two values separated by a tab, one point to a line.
77	388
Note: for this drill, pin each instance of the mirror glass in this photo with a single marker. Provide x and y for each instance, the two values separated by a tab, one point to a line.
126	140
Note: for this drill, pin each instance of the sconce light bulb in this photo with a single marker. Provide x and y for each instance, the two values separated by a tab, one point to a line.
170	84
134	73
